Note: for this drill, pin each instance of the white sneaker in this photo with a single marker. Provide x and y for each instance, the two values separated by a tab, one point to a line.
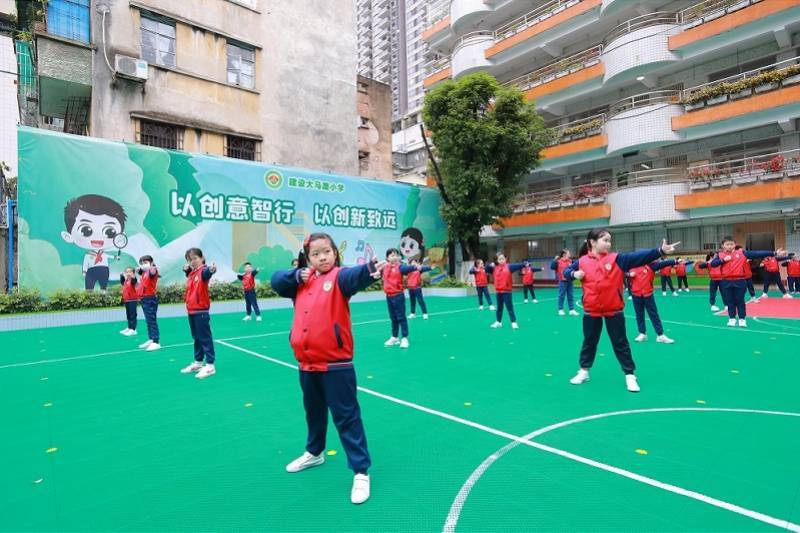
305	461
131	333
561	312
393	341
674	294
246	318
580	378
496	325
641	337
480	307
742	323
425	316
206	371
714	308
194	367
153	347
412	315
525	301
787	296
630	297
687	290
765	296
360	491
573	313
664	339
514	325
258	318
732	322
492	308
145	344
535	301
630	382
754	300
125	331
663	294
404	342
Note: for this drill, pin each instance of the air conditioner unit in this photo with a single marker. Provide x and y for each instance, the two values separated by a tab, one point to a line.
130	67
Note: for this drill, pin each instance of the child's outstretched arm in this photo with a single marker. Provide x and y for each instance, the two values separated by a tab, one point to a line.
425	269
515	267
285	282
122	279
209	271
554	264
537	269
489	268
405	269
662	264
761	254
240	277
569	272
644	257
354	279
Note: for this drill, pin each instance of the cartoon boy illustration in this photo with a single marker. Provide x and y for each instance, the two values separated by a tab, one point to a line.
412	245
92	222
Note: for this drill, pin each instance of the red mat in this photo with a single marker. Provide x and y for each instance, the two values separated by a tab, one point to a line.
775	308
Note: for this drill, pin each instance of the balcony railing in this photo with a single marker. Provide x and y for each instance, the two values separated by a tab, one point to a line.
469	38
709	10
533	18
762	79
746	170
653	176
645	99
638	23
558	69
578	129
594	193
436	12
437	65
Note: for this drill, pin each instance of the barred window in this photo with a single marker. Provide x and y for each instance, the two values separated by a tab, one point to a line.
159	134
242	148
158	40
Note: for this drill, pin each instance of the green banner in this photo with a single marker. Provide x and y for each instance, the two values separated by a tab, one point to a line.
88	208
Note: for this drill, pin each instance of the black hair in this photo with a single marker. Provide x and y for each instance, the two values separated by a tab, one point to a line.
709	256
148	258
194	251
247	263
415	234
390	251
475	263
302	259
497	255
737	247
593	235
94	204
726	238
562	253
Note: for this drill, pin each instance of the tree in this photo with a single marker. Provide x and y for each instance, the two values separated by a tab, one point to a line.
486	138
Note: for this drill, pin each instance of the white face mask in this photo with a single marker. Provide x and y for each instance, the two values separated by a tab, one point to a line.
145	265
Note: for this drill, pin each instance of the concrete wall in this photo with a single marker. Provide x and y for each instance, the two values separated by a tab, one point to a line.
9	109
374	103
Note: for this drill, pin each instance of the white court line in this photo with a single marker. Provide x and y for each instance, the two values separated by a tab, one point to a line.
764	322
568	455
184	344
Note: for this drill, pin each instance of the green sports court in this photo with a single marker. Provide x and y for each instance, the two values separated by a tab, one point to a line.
471	429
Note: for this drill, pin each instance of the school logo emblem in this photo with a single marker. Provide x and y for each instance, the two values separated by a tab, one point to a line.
327	286
273	179
608	266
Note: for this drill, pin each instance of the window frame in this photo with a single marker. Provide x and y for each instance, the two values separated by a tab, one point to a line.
143	137
158	53
237	152
232	45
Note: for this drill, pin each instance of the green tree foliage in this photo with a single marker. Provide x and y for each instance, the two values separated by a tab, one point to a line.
487	139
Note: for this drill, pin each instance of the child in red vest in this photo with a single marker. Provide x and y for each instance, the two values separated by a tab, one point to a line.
198	304
130	299
666	280
714	279
680	273
248	280
772	274
793	274
602	273
732	265
481	283
395	299
748	278
527	281
322	341
565	286
641	279
502	286
414	284
147	289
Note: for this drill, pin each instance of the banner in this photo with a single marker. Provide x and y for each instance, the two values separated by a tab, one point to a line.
88	208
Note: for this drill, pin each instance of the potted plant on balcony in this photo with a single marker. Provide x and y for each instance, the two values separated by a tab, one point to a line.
773	167
740	89
737	5
768	81
793	166
792	75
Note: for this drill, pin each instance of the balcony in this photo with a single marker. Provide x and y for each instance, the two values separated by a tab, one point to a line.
469	53
576	142
715	20
759	96
547	17
567	74
647	195
438	19
643	121
639	45
436	71
465	12
574	207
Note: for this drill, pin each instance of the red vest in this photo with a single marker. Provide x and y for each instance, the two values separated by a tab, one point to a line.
147	284
666	271
527	276
735	268
771	265
196	297
392	279
481	280
748	271
502	278
321	332
642	282
562	265
715	273
700	270
793	269
602	284
130	292
248	281
414	279
680	269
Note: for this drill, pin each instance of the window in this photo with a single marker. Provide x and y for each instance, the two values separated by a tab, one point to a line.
242	148
160	134
241	66
69	19
158	40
